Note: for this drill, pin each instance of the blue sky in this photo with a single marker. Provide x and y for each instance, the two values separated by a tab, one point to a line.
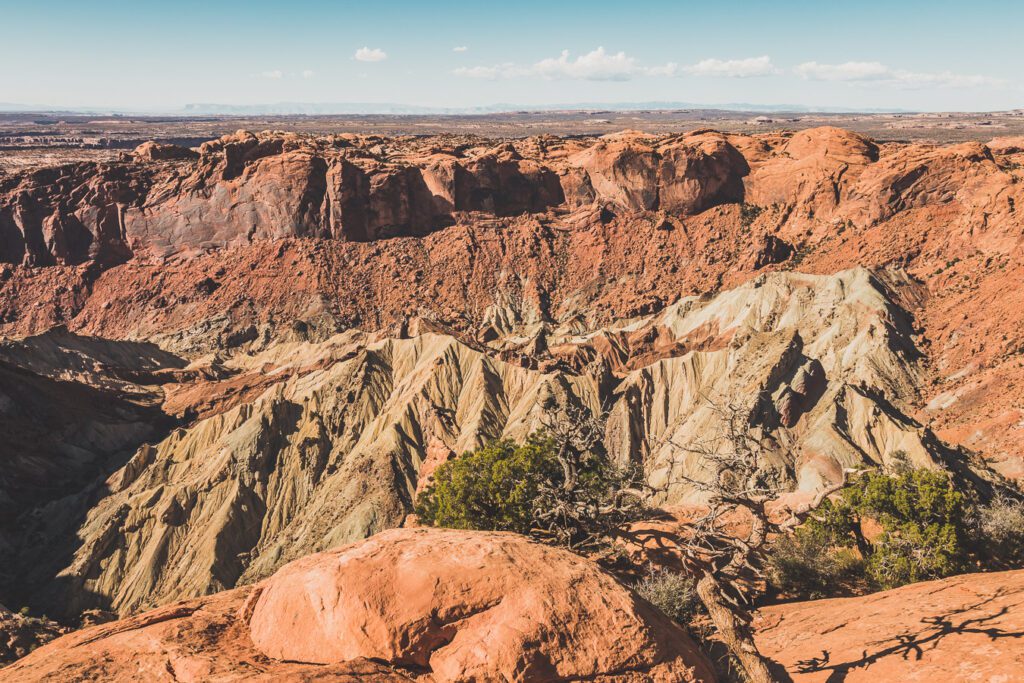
938	55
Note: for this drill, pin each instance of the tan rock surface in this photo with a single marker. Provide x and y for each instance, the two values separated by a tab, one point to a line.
328	454
306	445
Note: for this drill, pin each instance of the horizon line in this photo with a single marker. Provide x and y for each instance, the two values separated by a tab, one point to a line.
327	108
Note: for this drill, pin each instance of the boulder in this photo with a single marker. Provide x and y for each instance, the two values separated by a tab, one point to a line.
408	604
810	170
774	250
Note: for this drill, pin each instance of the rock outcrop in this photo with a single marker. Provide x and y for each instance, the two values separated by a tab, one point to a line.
216	362
683	174
964	628
59	435
245	187
406	605
327	454
819	352
594	227
155	151
304	445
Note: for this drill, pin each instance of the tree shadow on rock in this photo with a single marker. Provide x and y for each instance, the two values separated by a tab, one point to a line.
911	646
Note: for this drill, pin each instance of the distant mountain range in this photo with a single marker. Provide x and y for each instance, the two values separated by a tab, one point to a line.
387	108
396	109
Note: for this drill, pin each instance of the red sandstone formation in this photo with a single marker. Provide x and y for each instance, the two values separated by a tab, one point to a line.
218	361
410	604
607	227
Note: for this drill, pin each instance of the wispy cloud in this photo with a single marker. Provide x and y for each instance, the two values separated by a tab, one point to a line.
596	65
734	68
491	73
367	54
847	71
280	74
878	73
460	48
601	65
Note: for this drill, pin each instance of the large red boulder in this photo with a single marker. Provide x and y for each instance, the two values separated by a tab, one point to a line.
467	606
407	604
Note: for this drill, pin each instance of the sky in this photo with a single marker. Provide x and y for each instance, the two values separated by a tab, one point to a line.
143	55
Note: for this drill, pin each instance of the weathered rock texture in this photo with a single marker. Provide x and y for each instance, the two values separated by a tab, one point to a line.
302	446
606	227
966	628
219	361
62	429
244	187
412	604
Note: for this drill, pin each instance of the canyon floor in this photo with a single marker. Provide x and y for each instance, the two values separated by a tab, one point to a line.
226	362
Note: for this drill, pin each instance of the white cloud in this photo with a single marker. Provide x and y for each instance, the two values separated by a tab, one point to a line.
460	48
847	71
596	65
876	72
733	68
491	73
666	69
366	54
279	74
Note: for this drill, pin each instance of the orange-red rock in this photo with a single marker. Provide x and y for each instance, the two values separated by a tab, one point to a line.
241	259
191	642
607	226
963	629
420	604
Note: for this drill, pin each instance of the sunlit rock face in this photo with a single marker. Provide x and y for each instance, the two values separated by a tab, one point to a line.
218	361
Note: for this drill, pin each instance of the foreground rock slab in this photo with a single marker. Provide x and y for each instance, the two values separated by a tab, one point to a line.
407	604
965	628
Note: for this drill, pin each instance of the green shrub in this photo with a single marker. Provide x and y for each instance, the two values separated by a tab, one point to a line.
671	592
928	529
924	519
566	495
493	488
